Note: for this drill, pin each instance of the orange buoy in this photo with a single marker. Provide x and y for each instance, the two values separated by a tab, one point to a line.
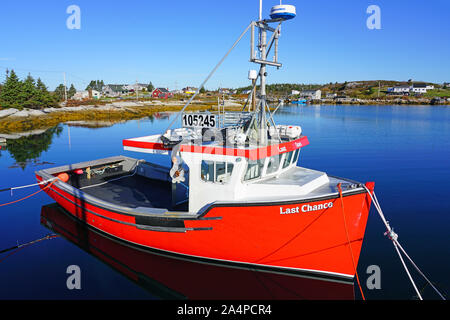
64	177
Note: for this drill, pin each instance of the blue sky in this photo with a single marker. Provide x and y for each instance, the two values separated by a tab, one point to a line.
176	43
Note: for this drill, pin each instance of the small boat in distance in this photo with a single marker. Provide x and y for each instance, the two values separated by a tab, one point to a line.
300	101
234	193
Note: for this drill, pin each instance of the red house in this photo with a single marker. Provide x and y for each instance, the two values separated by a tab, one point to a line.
161	93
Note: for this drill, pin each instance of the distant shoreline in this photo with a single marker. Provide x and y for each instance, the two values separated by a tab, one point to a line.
38	119
29	119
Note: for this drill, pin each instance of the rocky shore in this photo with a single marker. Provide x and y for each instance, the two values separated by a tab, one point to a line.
14	120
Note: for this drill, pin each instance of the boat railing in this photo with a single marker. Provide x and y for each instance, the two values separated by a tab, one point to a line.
232	119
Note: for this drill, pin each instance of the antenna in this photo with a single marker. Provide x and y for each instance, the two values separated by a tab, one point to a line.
278	14
260	10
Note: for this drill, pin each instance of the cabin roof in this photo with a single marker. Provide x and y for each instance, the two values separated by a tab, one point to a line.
251	152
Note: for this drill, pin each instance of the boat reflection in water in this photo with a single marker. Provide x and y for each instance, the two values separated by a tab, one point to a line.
168	277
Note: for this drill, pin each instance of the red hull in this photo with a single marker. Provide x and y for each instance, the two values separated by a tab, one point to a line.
262	235
170	278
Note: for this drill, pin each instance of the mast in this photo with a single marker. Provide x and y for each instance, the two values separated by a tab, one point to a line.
278	14
263	74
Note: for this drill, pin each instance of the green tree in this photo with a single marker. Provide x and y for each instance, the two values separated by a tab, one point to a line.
11	91
43	97
96	85
150	87
59	93
28	93
71	91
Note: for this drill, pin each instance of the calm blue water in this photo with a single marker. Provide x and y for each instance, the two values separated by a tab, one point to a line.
405	150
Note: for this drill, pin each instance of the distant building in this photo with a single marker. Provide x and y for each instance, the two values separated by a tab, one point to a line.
114	90
83	95
162	93
415	88
295	92
400	89
312	94
189	90
419	88
331	95
135	87
224	91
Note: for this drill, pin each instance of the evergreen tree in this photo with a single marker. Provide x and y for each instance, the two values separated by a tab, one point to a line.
43	97
71	92
96	85
28	92
150	87
91	85
59	93
9	97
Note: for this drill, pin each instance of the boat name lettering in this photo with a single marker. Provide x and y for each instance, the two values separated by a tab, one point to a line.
298	144
306	208
283	149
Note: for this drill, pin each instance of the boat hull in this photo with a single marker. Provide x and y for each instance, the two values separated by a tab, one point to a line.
316	237
170	278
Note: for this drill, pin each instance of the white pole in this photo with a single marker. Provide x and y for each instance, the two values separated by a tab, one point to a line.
260	10
65	88
137	94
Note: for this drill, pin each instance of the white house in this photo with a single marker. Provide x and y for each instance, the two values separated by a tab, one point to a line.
312	94
81	95
400	89
114	90
415	88
419	88
135	87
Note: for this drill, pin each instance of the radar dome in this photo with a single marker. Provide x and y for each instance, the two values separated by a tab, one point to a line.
283	11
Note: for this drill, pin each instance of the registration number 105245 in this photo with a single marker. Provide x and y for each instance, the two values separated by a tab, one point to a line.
203	120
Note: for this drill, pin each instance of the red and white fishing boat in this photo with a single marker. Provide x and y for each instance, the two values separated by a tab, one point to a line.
234	194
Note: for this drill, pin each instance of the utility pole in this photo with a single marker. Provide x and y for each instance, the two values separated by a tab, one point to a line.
137	91
65	88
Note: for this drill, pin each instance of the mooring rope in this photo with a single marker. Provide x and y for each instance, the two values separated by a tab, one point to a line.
21	246
394	238
27	186
53	180
339	186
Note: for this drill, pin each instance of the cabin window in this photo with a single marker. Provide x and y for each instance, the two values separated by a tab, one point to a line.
296	154
287	159
214	171
254	169
273	164
207	171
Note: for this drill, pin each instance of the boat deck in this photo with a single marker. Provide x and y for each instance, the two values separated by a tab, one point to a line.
310	184
146	189
133	192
